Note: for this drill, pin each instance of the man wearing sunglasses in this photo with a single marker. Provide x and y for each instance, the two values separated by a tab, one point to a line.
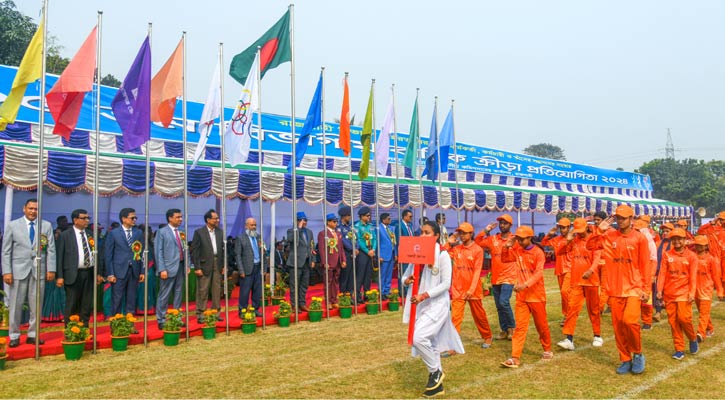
123	250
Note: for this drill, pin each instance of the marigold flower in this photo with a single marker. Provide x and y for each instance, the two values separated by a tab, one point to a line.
3	340
74	318
80	324
75	329
129	316
118	316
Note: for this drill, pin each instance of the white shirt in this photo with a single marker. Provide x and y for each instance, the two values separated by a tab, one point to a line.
79	243
213	239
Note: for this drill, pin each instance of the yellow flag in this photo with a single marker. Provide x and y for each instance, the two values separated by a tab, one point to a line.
29	71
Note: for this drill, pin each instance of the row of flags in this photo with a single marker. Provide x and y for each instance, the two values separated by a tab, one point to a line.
142	99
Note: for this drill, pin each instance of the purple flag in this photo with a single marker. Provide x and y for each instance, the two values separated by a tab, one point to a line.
132	104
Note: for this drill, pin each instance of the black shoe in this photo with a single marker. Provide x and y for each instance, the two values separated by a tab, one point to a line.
31	340
135	332
257	313
438	391
435	379
14	343
161	327
219	318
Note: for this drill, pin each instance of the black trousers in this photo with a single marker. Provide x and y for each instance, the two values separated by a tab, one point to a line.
364	274
346	276
79	296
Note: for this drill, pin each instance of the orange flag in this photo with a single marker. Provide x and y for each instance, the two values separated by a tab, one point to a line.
345	121
65	99
166	86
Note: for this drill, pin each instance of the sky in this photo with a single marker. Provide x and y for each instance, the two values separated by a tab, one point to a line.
602	80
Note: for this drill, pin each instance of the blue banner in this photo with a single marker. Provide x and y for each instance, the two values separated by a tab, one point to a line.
278	139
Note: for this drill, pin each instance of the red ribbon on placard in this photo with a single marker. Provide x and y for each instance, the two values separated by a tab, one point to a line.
413	306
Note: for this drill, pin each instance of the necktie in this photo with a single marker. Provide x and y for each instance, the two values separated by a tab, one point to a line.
178	243
32	231
128	237
304	236
86	251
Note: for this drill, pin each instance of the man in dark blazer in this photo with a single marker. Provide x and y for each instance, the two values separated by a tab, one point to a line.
124	266
207	255
249	250
305	261
74	267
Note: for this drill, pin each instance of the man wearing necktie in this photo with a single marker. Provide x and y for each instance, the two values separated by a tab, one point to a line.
207	255
169	251
406	229
123	265
305	262
249	250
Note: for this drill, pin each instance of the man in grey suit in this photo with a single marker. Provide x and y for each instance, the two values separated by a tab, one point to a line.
249	250
18	266
207	254
305	261
169	247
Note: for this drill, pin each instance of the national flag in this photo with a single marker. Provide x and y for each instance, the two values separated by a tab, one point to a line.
211	111
431	155
275	50
237	138
65	99
167	85
132	104
30	70
446	140
382	146
411	151
313	120
344	141
366	138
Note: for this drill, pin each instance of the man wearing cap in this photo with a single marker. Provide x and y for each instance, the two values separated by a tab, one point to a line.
367	242
662	247
677	286
467	259
626	256
563	266
332	257
682	224
708	278
503	274
348	242
530	293
647	307
597	219
305	261
405	229
715	232
388	253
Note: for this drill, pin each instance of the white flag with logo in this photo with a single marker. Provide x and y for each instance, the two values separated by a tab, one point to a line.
237	138
382	146
212	110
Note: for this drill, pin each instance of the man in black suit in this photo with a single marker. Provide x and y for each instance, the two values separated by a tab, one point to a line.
207	255
249	250
75	267
123	248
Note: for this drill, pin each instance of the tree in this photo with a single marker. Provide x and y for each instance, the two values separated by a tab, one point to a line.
110	80
545	150
17	30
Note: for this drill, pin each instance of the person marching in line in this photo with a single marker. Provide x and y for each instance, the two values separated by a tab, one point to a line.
563	267
662	247
642	226
597	219
433	327
708	278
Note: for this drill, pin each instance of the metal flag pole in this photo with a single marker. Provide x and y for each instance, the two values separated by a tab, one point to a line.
397	180
459	201
41	168
377	203
417	168
324	191
352	222
185	242
260	138
147	224
438	174
224	188
293	160
96	159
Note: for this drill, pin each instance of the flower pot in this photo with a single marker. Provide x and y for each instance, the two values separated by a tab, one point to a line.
171	338
4	332
119	343
372	308
2	362
315	315
249	327
393	306
345	311
208	332
73	350
283	322
276	300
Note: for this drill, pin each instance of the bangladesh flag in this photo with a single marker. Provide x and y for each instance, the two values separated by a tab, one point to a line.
275	50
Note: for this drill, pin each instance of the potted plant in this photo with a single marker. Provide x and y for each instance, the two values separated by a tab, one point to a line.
267	294
209	328
249	320
4	316
315	313
121	328
172	326
279	291
344	301
283	313
394	300
75	336
372	301
3	352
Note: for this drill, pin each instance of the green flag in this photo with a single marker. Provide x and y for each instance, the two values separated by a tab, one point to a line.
275	50
411	151
366	138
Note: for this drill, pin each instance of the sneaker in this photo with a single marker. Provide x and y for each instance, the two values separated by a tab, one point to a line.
598	341
509	333
710	333
678	355
625	368
485	345
700	339
566	344
502	336
657	316
638	363
438	391
646	327
694	347
435	379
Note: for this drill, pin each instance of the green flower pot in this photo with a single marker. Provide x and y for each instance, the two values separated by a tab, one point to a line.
393	306
119	343
345	312
73	350
315	316
4	332
276	300
171	338
249	327
208	332
372	308
283	322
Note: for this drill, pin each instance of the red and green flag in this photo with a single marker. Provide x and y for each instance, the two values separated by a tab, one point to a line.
275	50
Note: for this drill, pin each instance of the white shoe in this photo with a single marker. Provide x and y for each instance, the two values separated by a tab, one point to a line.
598	341
566	344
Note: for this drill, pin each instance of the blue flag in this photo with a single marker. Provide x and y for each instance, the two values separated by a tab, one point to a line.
446	140
313	120
132	103
431	155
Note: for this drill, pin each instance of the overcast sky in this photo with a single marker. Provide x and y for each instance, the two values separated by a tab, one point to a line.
602	79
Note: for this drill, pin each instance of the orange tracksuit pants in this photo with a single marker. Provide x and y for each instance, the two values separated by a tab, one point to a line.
626	312
577	294
458	306
679	313
564	286
647	313
705	323
522	312
603	296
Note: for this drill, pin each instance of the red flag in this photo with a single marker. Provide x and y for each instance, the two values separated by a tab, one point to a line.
66	97
166	86
345	121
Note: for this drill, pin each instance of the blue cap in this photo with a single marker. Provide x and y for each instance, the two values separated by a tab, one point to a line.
344	211
301	215
331	216
363	211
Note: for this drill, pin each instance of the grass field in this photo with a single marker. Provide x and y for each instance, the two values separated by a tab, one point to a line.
367	357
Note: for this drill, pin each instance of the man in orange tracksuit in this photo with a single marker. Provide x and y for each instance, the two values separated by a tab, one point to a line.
715	232
682	224
626	259
708	277
530	293
503	275
647	309
584	283
677	286
467	258
563	267
597	219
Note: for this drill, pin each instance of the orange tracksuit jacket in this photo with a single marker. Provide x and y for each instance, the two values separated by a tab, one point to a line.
626	259
677	280
501	272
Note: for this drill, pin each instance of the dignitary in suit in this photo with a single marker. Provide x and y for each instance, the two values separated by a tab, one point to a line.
388	253
332	257
169	247
367	242
207	255
347	232
75	267
20	276
305	261
406	229
122	251
249	250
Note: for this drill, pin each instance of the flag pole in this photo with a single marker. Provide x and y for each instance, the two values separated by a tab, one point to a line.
147	222
41	168
439	162
224	187
417	161
377	203
260	138
324	190
95	181
352	220
293	160
397	181
185	245
455	164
